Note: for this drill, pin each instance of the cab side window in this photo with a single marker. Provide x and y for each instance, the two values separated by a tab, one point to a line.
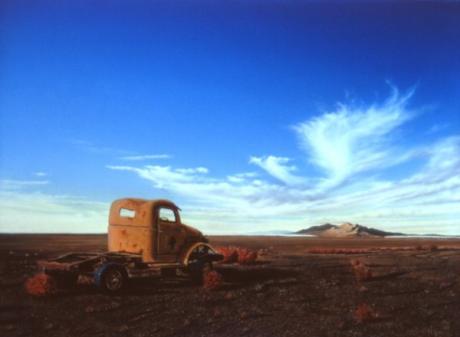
166	214
127	213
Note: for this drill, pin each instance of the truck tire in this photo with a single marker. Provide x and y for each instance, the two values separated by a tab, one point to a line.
111	278
199	263
197	271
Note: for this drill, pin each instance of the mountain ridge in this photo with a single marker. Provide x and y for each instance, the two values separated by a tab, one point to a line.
345	230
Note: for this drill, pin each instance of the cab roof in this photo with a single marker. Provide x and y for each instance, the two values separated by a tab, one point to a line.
150	202
140	211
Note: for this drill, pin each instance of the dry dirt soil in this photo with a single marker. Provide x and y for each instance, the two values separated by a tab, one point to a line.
413	290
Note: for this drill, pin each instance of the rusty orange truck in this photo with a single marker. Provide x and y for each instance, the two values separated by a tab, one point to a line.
145	238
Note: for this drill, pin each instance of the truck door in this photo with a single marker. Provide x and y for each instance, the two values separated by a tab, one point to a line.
170	236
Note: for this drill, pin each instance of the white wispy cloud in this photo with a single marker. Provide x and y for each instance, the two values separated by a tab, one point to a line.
241	177
201	170
194	183
11	184
353	140
163	176
146	157
278	167
122	154
40	174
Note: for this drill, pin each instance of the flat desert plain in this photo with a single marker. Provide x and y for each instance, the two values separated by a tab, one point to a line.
299	286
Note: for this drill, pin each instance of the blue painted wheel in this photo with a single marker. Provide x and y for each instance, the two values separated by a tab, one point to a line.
111	277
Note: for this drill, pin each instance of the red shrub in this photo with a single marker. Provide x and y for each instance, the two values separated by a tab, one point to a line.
212	280
361	271
230	254
364	313
434	248
238	254
246	256
319	250
41	285
323	250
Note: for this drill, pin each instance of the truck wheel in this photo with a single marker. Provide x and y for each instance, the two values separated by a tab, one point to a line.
197	270
111	278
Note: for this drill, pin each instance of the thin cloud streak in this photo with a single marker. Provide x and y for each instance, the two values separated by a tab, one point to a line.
146	157
11	184
278	167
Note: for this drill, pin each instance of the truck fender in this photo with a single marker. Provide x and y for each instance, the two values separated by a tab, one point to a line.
188	251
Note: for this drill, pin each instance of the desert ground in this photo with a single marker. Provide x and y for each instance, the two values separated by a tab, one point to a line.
299	286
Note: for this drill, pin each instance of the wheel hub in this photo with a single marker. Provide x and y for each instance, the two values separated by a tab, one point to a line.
114	280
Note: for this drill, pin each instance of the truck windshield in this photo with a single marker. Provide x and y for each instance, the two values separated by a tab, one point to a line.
167	214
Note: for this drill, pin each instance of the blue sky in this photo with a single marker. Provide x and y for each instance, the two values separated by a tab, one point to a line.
251	115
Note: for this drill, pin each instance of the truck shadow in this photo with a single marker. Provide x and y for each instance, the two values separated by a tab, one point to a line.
240	277
235	277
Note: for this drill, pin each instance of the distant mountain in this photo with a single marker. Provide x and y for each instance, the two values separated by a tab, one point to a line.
316	230
345	230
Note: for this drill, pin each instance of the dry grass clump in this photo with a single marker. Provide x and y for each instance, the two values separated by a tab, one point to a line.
212	280
238	255
324	250
246	256
434	248
361	271
321	250
364	313
230	254
41	285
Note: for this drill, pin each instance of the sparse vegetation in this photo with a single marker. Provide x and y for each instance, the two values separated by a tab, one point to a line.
230	254
319	250
364	313
406	289
41	285
212	280
362	272
239	255
434	248
246	256
324	250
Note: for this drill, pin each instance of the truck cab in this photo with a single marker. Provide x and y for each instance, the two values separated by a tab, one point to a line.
150	228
